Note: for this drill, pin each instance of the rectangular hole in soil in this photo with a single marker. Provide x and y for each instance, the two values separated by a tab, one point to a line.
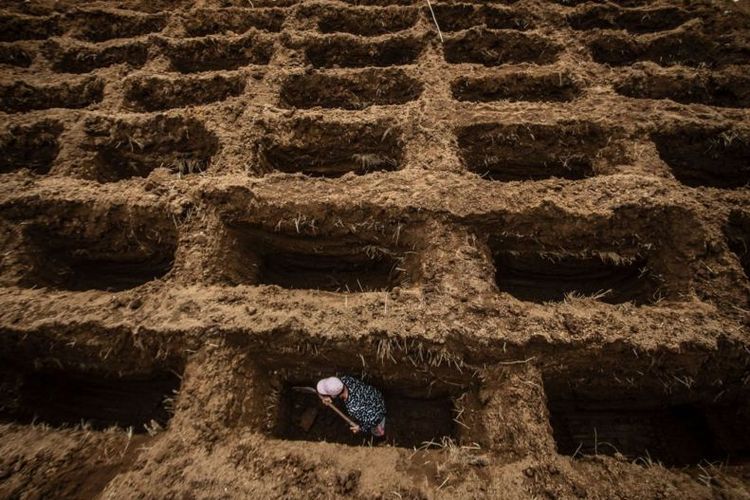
706	155
315	263
514	87
372	21
100	25
497	47
352	52
218	53
17	27
738	238
730	88
30	146
15	56
457	17
67	398
632	20
21	96
534	277
521	152
332	149
83	59
157	93
356	90
126	255
203	22
647	425
125	149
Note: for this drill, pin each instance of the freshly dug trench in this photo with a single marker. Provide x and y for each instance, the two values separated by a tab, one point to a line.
85	58
706	156
652	426
365	21
125	149
512	152
201	22
533	277
457	17
316	263
101	25
332	149
633	20
30	146
729	88
514	87
352	52
497	47
218	53
355	90
15	56
156	93
18	27
738	238
63	398
21	96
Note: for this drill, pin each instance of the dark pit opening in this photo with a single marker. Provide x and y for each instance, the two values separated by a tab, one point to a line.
706	156
457	17
494	48
738	238
535	277
218	53
16	27
652	426
84	59
124	149
123	255
63	398
515	87
15	56
358	90
352	52
521	152
157	93
21	96
30	146
203	22
332	149
307	262
100	25
366	21
727	89
632	20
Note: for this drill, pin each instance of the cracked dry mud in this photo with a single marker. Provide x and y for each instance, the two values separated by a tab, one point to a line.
533	236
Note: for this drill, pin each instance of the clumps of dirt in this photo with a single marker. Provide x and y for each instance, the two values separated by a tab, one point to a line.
218	53
22	96
68	398
84	58
457	17
644	421
20	27
156	93
202	22
14	55
544	86
72	253
98	25
357	89
727	88
737	232
331	149
133	148
346	263
497	47
687	48
34	146
348	51
706	155
515	152
645	20
369	22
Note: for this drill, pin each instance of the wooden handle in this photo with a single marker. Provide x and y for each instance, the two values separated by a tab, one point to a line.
341	414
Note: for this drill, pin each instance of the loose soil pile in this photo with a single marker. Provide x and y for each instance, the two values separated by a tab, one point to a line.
532	234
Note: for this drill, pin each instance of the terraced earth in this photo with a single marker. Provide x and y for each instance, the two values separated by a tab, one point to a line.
530	229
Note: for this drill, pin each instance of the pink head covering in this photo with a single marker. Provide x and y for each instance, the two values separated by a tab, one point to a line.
331	386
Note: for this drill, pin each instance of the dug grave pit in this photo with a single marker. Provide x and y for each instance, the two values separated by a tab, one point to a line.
22	96
19	27
84	58
632	20
517	87
498	47
156	93
202	22
32	146
348	51
213	53
102	25
68	398
738	238
457	17
371	21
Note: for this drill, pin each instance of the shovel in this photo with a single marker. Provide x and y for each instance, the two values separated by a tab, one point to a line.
311	390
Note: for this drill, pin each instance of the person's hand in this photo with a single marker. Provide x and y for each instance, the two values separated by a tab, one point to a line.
355	429
326	400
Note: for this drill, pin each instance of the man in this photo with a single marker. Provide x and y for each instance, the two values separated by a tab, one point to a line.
362	402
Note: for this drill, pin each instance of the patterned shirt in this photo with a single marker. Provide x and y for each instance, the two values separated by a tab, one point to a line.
365	403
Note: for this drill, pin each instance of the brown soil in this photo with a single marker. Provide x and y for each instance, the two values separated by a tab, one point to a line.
533	236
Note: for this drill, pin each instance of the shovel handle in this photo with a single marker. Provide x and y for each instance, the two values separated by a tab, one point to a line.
341	414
